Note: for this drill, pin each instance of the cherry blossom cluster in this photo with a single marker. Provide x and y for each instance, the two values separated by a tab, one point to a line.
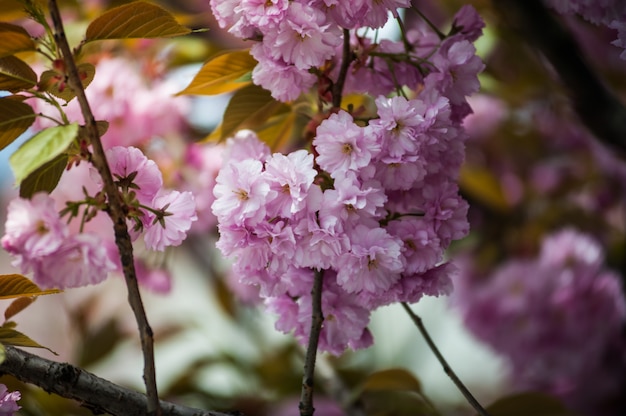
610	13
567	312
137	108
375	202
299	43
374	210
42	242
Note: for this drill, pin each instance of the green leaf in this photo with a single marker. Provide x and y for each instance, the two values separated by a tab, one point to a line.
15	118
3	354
45	178
14	39
277	131
54	83
16	75
479	183
249	108
98	343
40	149
395	379
17	306
529	403
224	73
16	286
101	125
10	336
135	20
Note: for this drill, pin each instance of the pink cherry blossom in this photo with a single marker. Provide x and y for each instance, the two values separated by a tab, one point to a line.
290	178
133	171
8	401
284	80
33	229
304	38
342	145
81	260
241	192
180	212
373	263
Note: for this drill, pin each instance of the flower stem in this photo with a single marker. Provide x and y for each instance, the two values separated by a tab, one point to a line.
116	212
446	368
317	318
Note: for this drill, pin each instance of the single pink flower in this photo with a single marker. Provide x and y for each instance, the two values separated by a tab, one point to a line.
171	229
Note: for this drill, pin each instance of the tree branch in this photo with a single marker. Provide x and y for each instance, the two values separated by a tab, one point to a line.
346	59
598	108
116	212
317	318
446	368
93	392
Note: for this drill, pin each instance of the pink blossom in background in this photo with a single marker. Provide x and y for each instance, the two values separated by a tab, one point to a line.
200	166
8	401
136	108
557	318
82	260
32	230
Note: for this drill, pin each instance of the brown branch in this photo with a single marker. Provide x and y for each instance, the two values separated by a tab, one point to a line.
116	212
346	59
317	318
446	368
598	108
93	392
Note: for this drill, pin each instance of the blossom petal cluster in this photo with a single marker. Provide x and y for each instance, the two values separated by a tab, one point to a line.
374	210
165	216
136	108
558	318
374	203
8	401
41	242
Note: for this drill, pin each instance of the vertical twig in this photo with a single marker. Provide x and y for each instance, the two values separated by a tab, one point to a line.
317	318
446	368
343	70
116	212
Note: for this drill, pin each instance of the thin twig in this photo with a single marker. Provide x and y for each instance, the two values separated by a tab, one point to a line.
317	318
91	391
335	388
446	368
346	60
116	212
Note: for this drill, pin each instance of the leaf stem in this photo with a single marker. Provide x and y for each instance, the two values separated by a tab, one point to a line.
317	318
116	212
446	368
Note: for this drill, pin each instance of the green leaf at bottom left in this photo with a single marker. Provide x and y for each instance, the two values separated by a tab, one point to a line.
9	336
41	148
